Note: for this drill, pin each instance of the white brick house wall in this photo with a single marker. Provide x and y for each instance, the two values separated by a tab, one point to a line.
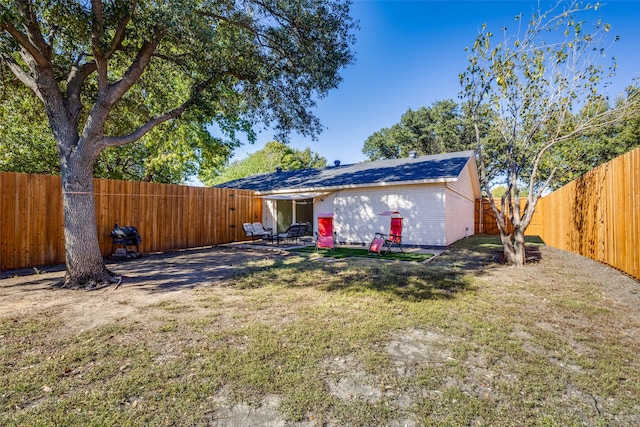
356	212
460	213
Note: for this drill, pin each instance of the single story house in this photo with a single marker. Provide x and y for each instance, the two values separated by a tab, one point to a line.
434	194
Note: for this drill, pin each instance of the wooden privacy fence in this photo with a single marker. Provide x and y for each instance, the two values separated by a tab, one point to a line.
167	216
485	219
597	215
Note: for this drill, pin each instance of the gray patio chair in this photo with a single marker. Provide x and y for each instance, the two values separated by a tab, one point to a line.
294	232
260	232
249	230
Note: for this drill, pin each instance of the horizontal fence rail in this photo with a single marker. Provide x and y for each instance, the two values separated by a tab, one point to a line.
168	217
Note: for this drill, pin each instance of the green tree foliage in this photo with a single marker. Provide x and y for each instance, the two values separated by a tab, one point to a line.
26	142
441	128
542	84
500	190
109	72
169	154
599	145
274	154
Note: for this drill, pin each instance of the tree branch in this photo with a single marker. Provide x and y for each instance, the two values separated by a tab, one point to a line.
100	59
34	33
97	29
75	80
120	32
274	43
274	12
145	128
19	72
133	73
25	42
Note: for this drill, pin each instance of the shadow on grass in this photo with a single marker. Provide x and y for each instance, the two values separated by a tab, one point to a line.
341	253
187	269
161	272
481	252
447	275
407	281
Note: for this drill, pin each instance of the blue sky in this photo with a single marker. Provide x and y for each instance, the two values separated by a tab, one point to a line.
409	54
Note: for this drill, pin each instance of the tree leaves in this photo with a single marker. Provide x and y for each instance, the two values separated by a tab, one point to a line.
235	65
168	154
274	155
440	128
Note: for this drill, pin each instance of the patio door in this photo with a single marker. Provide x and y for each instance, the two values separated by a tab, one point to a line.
304	212
285	215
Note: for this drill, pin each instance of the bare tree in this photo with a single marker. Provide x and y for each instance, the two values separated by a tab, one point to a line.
533	83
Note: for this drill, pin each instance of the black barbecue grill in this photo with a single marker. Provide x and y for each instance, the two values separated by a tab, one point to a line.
127	237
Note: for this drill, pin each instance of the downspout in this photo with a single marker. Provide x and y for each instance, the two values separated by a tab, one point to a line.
481	217
294	219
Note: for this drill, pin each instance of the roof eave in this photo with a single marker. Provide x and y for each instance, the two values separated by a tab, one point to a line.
354	186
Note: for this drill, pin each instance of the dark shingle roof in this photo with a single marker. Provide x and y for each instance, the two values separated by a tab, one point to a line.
423	168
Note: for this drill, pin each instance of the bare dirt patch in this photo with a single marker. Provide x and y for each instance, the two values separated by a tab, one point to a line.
146	281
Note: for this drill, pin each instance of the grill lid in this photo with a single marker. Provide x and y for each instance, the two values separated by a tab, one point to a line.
124	231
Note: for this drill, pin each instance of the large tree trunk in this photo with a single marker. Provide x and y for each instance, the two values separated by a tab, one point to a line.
513	247
507	247
85	265
519	244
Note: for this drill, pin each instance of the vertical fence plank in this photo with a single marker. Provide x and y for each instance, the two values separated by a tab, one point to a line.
191	220
221	217
100	189
21	226
60	253
635	219
163	212
207	230
8	189
150	219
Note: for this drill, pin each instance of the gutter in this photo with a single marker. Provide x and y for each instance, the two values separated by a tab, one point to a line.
353	186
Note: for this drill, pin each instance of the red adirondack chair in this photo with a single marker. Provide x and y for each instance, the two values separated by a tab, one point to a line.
394	238
325	237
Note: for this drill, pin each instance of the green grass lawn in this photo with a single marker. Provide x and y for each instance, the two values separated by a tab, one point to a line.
342	252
